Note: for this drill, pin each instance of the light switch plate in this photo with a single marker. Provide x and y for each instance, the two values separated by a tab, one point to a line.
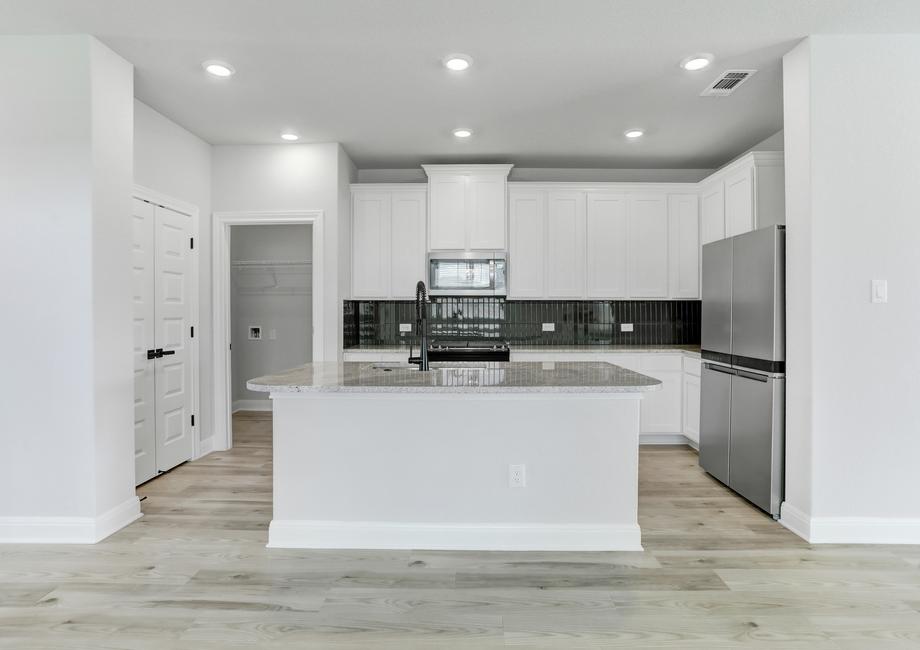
880	291
626	327
549	327
405	327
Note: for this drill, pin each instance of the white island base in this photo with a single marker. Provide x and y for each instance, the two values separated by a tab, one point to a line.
421	470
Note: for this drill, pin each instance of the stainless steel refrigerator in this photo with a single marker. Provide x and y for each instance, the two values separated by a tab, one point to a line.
743	377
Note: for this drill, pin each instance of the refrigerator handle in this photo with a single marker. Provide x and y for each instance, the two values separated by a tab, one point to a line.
752	375
722	369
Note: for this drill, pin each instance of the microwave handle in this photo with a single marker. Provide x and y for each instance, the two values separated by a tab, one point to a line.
492	274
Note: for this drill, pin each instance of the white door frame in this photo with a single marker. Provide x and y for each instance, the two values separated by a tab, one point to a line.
183	207
220	256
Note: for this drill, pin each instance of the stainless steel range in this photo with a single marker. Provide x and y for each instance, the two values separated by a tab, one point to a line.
469	350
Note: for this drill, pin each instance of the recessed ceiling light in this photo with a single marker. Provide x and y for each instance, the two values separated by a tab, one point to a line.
457	62
218	69
632	134
463	133
696	62
290	137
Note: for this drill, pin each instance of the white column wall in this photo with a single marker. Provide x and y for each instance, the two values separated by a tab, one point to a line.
291	177
67	438
852	133
177	163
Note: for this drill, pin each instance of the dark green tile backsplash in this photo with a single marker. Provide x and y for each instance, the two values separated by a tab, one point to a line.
370	323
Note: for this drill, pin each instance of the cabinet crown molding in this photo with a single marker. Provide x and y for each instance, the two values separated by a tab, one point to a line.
404	187
467	169
756	158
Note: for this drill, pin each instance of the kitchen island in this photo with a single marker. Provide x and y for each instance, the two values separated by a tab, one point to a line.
479	456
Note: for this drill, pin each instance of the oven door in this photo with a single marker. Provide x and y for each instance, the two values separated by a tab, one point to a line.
467	273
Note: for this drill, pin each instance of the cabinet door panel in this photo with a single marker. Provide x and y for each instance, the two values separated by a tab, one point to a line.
448	197
712	213
660	411
692	408
486	212
528	234
684	249
565	245
648	247
606	245
739	202
370	244
407	237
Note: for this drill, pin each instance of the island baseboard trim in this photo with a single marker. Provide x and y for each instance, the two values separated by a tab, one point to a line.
69	530
288	533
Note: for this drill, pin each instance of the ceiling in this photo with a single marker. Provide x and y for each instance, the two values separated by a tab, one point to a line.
554	82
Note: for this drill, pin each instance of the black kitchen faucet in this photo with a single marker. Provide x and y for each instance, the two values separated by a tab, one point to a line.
421	325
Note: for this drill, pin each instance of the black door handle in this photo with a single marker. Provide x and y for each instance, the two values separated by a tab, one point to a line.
159	353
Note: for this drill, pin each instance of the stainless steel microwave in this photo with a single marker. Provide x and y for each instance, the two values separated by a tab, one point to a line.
468	273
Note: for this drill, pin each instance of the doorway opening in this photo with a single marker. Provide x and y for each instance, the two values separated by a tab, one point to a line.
304	273
271	306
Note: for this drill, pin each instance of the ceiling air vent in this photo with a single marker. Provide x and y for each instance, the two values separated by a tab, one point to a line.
727	83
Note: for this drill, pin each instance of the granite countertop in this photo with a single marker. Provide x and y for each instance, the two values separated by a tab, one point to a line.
693	350
452	377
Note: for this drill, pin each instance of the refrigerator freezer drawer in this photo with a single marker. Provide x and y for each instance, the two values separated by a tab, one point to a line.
715	420
757	439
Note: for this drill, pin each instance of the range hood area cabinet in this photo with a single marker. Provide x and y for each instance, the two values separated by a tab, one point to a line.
597	242
388	237
467	207
745	195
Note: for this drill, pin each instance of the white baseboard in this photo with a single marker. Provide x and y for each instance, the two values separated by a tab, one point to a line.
851	530
468	537
252	405
68	530
795	520
663	439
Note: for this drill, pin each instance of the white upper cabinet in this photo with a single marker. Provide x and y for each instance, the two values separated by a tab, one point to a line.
739	202
487	211
448	203
527	216
407	241
370	244
565	245
648	246
467	206
712	212
606	245
684	246
745	195
388	240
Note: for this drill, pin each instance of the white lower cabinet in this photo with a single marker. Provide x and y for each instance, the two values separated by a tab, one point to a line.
661	409
692	400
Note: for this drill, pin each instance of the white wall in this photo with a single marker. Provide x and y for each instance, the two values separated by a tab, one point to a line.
288	310
67	443
177	163
852	209
289	178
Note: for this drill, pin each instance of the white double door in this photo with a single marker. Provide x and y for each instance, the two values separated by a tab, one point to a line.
163	293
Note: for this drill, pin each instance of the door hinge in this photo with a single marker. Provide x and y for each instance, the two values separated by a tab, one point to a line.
193	331
192	243
231	346
193	420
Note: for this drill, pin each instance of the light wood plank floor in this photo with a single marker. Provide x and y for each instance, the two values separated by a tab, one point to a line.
194	573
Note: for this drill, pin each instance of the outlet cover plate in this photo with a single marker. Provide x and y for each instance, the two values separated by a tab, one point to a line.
549	327
626	327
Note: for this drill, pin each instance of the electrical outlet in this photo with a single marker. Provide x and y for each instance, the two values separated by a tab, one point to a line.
405	327
626	327
517	476
880	291
549	327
